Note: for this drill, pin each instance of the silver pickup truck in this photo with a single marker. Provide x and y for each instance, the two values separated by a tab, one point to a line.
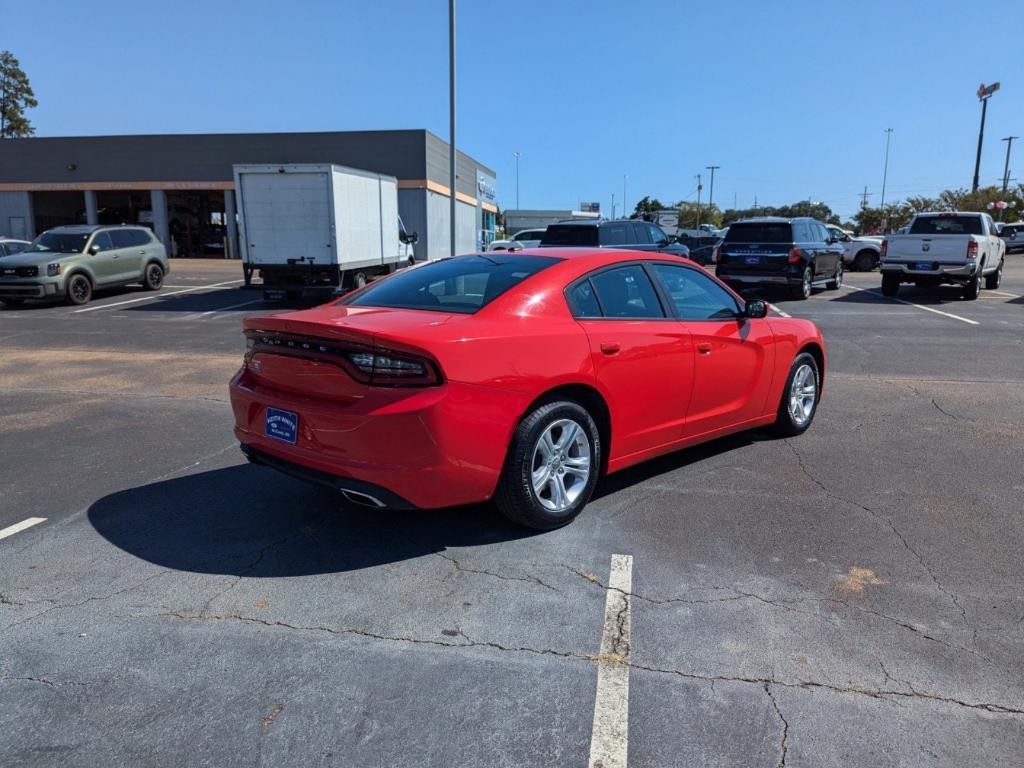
951	247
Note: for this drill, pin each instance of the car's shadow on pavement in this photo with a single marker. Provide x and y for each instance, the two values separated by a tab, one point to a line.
252	521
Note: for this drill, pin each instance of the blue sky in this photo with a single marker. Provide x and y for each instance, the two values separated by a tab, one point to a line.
789	98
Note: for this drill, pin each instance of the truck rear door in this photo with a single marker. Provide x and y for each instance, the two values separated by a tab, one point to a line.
938	239
287	217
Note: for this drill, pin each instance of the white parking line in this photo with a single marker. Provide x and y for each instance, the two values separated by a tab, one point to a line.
1004	294
156	296
609	740
773	308
912	304
233	306
19	527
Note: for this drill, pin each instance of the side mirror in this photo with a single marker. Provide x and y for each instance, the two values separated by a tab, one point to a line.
413	238
756	309
664	242
94	249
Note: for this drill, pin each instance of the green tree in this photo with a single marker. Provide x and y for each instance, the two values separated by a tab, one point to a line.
647	204
15	97
690	216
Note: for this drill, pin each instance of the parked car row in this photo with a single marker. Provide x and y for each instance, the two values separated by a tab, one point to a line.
70	262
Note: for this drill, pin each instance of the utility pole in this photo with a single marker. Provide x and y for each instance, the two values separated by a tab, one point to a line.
613	205
451	115
711	191
735	200
624	213
699	188
517	154
885	173
864	198
1006	171
984	94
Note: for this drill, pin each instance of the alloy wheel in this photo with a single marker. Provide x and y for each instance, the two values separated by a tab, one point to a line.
560	465
803	393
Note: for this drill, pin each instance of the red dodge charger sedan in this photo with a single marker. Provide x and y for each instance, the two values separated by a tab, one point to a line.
518	377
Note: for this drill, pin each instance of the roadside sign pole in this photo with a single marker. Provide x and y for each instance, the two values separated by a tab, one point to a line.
984	94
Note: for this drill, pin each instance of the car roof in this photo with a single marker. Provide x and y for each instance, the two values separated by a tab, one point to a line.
596	222
84	229
769	220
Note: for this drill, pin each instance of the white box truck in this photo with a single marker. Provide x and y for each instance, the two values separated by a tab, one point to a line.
318	228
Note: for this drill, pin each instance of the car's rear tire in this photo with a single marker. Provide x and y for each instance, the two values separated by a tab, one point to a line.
803	291
994	280
890	285
153	279
865	261
552	466
837	282
79	290
800	397
972	288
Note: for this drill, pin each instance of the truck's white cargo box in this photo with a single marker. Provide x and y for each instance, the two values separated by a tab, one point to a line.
317	214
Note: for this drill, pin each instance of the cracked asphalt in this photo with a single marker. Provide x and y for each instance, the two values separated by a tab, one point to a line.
850	597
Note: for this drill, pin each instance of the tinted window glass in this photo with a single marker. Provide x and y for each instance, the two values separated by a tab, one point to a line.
657	235
696	296
569	235
102	241
760	233
946	225
122	238
584	302
14	247
529	234
641	234
139	237
463	284
617	233
626	292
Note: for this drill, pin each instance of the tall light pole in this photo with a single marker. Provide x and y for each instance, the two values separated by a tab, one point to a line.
451	115
613	205
517	154
1006	171
711	191
885	171
624	214
984	94
699	188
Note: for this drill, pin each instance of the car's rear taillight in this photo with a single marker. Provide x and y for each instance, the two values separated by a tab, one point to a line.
385	367
795	254
885	248
972	250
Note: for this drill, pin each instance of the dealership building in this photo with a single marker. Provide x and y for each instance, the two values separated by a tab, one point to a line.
183	186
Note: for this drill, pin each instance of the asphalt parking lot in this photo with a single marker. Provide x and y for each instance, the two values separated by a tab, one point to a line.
848	597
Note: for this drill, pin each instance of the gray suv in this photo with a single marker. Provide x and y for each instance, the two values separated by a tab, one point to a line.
69	262
632	234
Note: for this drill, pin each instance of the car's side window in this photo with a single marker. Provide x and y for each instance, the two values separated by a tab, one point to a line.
696	296
584	300
121	238
641	234
138	237
16	247
626	292
615	234
102	241
657	235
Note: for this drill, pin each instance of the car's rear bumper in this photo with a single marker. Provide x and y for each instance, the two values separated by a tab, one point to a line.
909	269
431	447
759	279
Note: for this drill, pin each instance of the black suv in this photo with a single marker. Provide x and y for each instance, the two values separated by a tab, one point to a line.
633	234
798	253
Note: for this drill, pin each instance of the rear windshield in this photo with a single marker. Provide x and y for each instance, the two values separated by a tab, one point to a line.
569	234
60	242
462	284
780	232
946	225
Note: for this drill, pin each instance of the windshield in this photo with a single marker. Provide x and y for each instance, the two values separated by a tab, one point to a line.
462	284
781	232
946	225
60	242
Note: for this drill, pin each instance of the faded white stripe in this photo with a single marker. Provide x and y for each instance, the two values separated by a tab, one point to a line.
609	741
19	527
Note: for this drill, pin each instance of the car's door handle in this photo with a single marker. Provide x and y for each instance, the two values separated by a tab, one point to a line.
704	349
610	347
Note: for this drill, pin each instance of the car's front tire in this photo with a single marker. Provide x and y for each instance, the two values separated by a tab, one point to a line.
994	280
153	279
865	261
837	282
552	466
800	397
79	290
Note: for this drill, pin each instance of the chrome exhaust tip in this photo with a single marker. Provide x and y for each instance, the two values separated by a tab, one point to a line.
362	499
